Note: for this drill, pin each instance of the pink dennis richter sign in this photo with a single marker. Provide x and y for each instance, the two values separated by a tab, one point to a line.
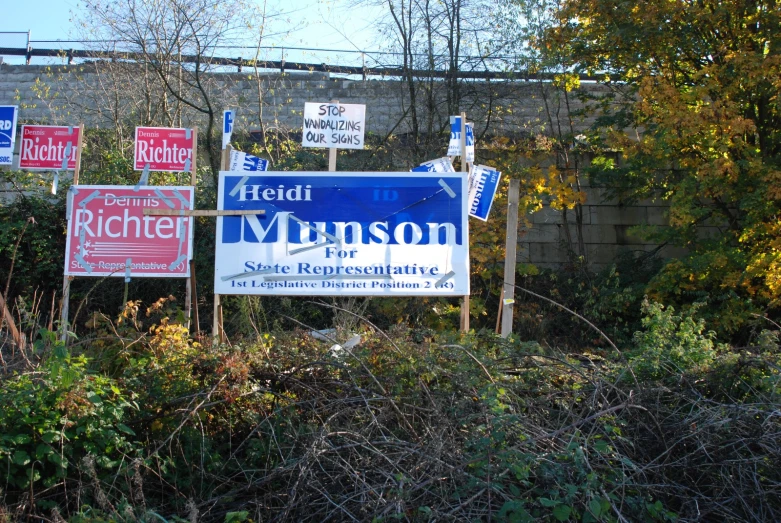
164	149
44	146
108	231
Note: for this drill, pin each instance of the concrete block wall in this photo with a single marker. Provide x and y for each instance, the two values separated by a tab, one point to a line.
56	94
83	93
606	229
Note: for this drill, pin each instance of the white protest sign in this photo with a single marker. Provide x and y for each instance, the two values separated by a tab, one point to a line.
483	181
227	126
440	165
454	147
333	125
246	162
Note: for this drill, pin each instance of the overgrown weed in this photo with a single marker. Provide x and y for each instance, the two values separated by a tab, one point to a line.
404	426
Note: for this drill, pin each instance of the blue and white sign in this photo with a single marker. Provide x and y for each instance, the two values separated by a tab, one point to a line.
483	182
227	126
8	117
440	165
240	161
347	234
454	147
334	125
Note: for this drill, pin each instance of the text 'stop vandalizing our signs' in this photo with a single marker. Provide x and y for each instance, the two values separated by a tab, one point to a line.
333	125
44	147
8	117
354	234
164	149
109	235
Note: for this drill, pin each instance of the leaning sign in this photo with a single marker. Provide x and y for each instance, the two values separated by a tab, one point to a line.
109	235
164	149
352	234
483	181
240	161
44	147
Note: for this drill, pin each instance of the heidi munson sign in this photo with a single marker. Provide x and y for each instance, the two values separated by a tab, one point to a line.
333	125
347	234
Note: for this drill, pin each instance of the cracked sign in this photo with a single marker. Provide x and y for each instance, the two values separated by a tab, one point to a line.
348	234
107	229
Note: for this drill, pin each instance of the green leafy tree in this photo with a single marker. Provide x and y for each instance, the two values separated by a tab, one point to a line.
695	110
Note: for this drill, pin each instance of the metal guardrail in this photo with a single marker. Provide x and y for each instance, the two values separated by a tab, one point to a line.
282	65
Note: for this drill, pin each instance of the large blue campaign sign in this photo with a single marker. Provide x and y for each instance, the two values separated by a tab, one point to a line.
351	234
8	117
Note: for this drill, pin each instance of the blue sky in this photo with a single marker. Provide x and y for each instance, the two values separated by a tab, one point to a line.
27	16
322	24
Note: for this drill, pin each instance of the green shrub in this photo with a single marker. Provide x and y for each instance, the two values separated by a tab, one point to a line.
671	344
54	418
32	238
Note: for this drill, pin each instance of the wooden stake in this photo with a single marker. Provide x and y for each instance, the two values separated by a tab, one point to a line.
194	163
188	298
332	152
464	168
9	320
195	298
80	143
222	327
217	312
498	328
200	212
66	294
508	288
225	159
51	314
216	326
188	285
66	280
